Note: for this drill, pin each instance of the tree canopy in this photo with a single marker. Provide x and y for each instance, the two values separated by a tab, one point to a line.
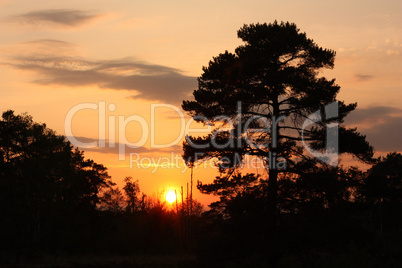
268	99
44	183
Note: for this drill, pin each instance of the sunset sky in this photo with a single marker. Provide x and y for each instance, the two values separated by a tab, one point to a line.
129	55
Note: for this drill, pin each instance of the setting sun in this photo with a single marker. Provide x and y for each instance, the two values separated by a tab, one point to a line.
171	196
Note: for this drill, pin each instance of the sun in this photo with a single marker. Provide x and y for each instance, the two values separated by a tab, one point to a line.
171	196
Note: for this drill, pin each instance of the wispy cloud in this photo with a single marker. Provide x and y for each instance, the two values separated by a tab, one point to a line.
114	149
372	115
386	136
64	17
147	81
363	77
381	124
39	48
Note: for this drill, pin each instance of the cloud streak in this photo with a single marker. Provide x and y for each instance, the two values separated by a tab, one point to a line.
386	136
363	77
146	81
372	115
381	124
64	17
40	48
108	149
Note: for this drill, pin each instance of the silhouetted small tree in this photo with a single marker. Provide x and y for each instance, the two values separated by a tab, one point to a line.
382	190
132	190
384	180
112	200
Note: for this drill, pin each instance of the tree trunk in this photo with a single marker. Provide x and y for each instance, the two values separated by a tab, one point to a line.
272	190
272	200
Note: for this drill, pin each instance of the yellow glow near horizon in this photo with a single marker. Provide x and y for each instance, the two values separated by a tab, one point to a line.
171	196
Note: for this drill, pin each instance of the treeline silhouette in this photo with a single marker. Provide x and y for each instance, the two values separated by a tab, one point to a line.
60	209
55	204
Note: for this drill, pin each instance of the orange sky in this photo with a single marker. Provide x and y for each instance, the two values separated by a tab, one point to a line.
56	55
